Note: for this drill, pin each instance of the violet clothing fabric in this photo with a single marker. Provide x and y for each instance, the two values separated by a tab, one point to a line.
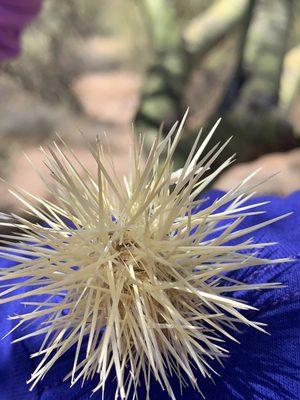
14	16
261	367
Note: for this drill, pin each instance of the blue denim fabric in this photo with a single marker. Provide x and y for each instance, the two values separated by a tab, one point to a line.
265	367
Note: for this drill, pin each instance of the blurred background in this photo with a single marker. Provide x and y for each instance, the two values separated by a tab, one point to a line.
97	66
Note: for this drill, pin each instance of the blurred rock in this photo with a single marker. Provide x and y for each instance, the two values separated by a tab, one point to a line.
30	123
22	116
109	96
287	165
101	53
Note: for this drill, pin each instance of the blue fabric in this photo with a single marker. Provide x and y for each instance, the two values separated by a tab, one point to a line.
261	367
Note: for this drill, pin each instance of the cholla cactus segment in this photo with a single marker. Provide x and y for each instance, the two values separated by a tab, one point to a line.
135	280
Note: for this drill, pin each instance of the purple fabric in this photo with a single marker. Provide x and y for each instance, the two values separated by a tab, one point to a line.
14	16
261	367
